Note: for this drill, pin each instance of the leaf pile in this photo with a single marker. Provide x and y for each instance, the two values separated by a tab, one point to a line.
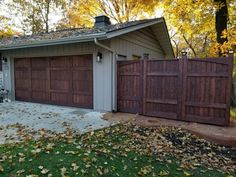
121	150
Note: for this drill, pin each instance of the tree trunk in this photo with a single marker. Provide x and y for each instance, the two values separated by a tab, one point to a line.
221	19
47	16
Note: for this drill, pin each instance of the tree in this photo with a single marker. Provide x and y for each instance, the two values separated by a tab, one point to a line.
5	29
221	19
226	27
82	13
191	25
35	14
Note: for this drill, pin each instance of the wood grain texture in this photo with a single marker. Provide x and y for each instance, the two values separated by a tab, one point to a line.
66	80
196	90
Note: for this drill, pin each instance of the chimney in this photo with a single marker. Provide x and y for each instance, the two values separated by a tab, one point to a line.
102	21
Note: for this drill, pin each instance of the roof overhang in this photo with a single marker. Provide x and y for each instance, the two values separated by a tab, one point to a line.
158	26
85	38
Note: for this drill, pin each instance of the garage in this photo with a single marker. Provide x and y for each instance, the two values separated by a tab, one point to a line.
61	80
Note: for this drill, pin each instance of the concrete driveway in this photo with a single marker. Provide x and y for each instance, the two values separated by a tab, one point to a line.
16	116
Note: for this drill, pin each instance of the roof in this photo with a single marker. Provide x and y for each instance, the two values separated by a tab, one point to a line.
79	35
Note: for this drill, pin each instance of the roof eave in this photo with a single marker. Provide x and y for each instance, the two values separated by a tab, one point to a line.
79	39
119	32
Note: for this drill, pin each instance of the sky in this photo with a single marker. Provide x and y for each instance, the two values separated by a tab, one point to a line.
15	21
54	17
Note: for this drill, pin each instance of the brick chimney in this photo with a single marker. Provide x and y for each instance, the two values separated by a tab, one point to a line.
101	21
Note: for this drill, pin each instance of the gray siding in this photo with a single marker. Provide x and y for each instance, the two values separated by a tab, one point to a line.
134	43
57	50
1	79
137	43
101	71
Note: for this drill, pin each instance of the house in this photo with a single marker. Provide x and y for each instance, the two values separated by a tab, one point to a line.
77	67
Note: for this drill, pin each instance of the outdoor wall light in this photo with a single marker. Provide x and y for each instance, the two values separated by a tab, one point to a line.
146	56
99	57
4	60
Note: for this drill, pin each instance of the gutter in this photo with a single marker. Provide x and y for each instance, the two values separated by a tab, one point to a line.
49	42
114	80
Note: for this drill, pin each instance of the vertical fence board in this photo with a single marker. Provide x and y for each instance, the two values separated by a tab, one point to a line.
196	90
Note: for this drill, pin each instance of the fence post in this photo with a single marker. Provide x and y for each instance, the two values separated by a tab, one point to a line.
183	83
230	90
144	67
231	54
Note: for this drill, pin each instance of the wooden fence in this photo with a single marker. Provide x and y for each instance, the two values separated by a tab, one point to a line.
196	90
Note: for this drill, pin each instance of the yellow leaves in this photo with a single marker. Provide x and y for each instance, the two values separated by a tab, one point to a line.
63	171
145	170
22	159
75	167
49	146
163	173
99	171
1	169
5	29
36	151
43	170
230	44
102	172
193	22
32	176
81	13
20	171
186	173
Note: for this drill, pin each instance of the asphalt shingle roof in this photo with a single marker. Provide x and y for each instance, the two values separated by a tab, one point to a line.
68	33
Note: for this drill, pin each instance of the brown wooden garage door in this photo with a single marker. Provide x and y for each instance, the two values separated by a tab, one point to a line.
64	80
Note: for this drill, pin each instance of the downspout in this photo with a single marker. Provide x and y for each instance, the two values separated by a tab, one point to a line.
114	106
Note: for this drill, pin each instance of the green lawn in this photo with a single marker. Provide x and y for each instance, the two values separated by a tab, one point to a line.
123	150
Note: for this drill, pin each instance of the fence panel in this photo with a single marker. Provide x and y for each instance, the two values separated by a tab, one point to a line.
196	90
161	88
207	90
129	92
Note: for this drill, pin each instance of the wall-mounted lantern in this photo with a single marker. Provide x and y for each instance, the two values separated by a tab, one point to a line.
99	57
4	60
146	56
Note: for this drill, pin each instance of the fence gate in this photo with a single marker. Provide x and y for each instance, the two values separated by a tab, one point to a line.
196	90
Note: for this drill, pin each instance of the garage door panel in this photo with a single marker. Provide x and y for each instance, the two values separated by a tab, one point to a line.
82	61
60	85
22	63
82	75
22	84
23	95
60	74
83	100
39	96
39	62
66	80
61	98
38	74
60	62
38	85
82	88
22	74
